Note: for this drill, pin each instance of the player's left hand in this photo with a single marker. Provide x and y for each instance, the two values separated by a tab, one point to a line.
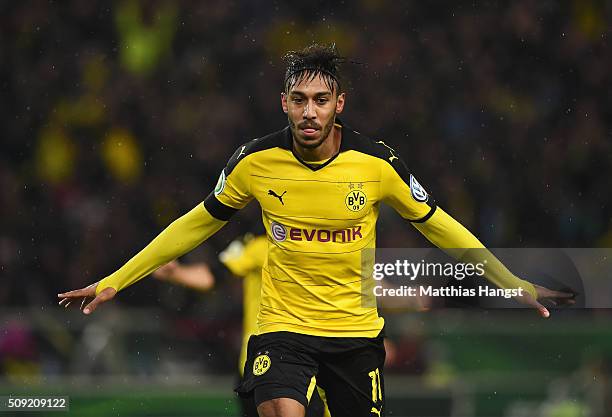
545	295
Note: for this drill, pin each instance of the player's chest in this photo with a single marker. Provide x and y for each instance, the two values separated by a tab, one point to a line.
340	190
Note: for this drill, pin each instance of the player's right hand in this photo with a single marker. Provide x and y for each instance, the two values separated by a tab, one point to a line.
86	294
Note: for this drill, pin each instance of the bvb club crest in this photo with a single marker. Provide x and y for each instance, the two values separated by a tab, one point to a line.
356	199
261	365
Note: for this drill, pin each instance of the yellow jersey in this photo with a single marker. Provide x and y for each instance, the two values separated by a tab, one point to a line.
318	220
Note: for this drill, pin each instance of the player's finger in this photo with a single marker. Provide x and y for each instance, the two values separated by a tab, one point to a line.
89	308
83	302
548	293
101	298
542	310
74	293
104	295
65	302
562	294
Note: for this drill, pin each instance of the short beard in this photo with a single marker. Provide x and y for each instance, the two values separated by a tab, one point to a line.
325	130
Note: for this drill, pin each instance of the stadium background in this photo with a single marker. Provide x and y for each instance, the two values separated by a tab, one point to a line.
117	117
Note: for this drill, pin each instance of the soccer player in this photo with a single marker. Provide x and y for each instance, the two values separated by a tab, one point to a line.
319	184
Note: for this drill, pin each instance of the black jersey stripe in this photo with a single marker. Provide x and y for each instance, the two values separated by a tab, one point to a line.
217	209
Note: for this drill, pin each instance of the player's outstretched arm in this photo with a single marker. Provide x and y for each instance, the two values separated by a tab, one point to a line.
447	233
181	236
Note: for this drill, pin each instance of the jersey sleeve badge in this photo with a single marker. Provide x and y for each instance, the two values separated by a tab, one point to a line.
220	183
417	190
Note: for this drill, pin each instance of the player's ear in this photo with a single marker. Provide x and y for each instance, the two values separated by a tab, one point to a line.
340	102
284	102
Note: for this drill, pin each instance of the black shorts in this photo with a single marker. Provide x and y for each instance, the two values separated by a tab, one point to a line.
348	369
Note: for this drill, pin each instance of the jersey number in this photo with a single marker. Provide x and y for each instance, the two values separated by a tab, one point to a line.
376	387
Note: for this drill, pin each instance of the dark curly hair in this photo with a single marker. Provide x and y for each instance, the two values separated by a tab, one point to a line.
312	61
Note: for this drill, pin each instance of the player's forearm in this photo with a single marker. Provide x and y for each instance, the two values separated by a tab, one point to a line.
447	233
181	236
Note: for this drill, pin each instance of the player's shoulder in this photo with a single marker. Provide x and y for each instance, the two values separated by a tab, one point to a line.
378	148
278	139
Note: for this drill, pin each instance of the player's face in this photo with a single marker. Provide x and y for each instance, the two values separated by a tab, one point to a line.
311	109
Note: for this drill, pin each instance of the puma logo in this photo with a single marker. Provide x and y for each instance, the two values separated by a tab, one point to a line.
280	197
375	411
391	150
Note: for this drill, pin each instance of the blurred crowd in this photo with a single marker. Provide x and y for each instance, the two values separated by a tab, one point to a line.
117	117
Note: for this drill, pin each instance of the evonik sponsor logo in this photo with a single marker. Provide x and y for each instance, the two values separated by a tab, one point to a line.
280	234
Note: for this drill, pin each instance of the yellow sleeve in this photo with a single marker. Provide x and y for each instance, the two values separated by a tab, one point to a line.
447	233
181	236
400	189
